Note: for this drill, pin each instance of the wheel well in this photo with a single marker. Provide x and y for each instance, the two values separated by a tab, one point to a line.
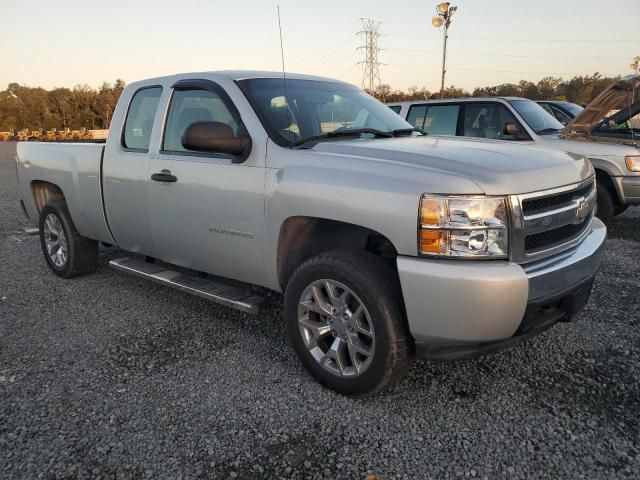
304	237
604	179
44	192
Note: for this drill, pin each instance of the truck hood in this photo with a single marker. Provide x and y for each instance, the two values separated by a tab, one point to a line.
497	167
615	149
616	96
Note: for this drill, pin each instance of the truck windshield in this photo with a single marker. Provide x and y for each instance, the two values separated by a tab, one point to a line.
539	120
317	110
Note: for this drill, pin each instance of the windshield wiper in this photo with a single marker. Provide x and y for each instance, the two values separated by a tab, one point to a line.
311	141
399	131
546	131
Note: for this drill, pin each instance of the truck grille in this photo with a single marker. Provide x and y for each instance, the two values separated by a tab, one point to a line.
551	221
552	237
536	205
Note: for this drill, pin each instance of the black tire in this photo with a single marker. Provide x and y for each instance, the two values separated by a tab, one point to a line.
82	253
606	207
377	286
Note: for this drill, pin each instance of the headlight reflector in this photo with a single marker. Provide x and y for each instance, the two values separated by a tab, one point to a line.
633	163
463	226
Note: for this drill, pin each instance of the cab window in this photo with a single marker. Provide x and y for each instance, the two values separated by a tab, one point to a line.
190	106
562	117
416	115
139	122
487	120
441	120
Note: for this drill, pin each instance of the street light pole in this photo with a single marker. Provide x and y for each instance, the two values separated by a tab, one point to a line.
444	59
443	18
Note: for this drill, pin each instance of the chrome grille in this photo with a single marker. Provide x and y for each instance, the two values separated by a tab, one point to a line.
551	221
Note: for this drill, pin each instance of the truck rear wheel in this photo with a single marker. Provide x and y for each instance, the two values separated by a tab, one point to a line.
67	253
346	322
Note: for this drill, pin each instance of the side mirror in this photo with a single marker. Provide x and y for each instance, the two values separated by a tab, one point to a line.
511	128
216	137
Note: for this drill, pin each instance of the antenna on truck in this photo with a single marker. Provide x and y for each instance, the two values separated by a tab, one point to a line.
284	77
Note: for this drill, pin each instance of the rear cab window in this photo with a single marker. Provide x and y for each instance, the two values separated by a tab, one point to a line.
441	120
416	115
435	119
136	133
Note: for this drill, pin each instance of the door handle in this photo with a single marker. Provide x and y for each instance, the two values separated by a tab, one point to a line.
164	176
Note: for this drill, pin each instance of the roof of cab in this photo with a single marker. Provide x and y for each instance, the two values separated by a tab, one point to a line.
458	99
236	75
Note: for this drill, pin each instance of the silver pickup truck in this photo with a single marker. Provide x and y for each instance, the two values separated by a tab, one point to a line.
386	243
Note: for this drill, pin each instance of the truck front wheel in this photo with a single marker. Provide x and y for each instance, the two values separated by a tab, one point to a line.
67	253
346	322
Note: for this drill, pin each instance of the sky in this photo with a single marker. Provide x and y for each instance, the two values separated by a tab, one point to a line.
490	41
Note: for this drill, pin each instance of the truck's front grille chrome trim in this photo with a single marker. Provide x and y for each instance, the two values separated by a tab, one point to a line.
551	221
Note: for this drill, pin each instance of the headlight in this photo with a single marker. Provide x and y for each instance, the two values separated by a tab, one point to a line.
633	163
463	227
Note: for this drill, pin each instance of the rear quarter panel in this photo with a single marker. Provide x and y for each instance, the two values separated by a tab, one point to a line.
75	169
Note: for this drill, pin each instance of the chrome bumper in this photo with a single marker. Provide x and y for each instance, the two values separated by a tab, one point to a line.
457	308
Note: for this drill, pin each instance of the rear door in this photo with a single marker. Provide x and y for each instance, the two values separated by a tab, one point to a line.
125	180
211	218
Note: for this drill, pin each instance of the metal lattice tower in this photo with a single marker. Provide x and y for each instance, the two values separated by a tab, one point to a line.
371	75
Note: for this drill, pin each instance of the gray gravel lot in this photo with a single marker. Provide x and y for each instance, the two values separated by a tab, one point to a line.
108	376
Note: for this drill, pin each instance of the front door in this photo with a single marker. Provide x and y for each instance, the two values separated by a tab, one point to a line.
210	215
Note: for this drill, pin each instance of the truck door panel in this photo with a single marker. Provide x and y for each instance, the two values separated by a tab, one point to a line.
125	179
212	217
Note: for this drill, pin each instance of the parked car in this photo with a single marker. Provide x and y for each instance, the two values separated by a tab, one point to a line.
616	160
384	242
563	111
623	123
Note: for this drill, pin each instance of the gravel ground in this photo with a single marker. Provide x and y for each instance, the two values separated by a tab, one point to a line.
109	376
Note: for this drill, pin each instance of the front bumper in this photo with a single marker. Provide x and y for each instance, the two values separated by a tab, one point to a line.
629	190
458	309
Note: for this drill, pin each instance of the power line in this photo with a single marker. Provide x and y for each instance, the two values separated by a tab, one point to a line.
477	54
371	74
504	39
482	69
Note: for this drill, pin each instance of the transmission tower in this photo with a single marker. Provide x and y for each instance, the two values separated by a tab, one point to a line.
371	75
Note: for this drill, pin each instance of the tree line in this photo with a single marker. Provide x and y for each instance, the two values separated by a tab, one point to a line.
32	108
579	89
23	107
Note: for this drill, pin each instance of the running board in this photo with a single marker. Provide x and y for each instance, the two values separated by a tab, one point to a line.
216	291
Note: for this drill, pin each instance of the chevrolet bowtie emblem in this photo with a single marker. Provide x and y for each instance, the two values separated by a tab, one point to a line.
583	209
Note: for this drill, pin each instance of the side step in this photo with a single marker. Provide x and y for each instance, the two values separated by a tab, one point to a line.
216	291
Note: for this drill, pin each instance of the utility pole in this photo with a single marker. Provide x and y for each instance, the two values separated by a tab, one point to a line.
635	65
371	74
443	18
